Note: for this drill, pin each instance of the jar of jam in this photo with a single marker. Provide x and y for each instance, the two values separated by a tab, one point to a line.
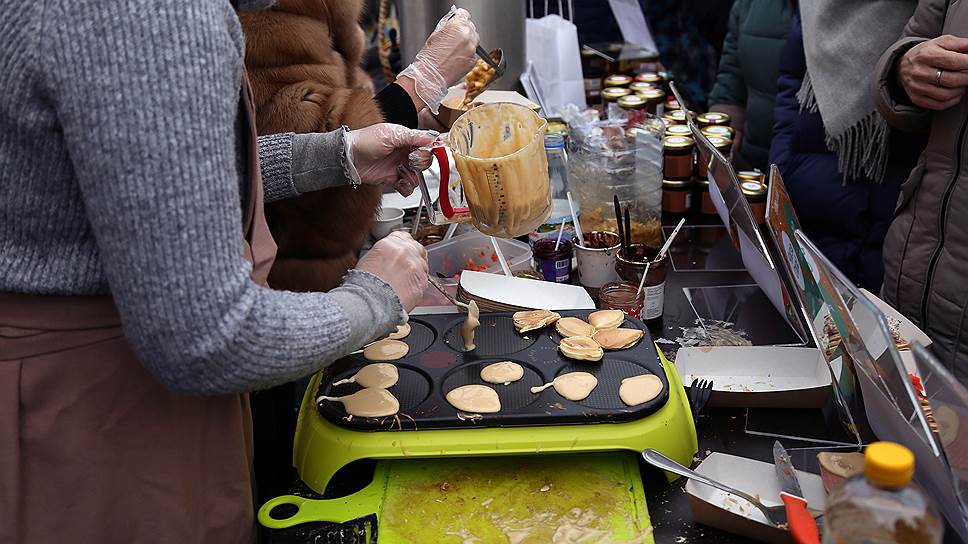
653	99
553	264
639	86
610	96
617	80
721	131
634	107
630	267
755	193
706	206
650	77
674	117
713	118
677	157
750	175
622	295
672	104
676	196
722	145
678	130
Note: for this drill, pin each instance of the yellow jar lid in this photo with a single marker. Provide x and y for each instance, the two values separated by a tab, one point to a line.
631	102
677	184
652	95
639	86
612	94
712	118
617	81
676	117
722	131
750	175
673	105
753	189
887	464
649	77
677	142
678	130
720	143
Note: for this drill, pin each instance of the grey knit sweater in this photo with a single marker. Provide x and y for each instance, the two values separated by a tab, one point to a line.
120	149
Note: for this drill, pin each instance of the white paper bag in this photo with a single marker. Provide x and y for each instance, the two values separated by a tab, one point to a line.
552	48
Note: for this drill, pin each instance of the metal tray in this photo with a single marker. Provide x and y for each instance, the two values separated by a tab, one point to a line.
437	364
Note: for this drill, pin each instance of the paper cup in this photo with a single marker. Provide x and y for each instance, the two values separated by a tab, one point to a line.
386	221
596	260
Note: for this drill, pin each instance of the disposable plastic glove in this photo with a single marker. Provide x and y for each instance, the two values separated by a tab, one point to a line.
375	154
446	57
400	261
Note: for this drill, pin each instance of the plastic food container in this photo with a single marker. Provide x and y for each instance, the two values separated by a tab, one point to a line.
470	251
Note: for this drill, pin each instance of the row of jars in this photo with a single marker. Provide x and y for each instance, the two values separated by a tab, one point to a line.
684	196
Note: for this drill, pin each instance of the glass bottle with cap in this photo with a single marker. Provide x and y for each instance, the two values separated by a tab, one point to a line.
654	99
677	157
713	118
882	505
755	193
554	144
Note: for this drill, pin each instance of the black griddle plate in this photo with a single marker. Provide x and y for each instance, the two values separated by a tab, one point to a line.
437	364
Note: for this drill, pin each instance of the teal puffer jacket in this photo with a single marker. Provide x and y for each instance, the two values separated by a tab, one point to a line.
749	67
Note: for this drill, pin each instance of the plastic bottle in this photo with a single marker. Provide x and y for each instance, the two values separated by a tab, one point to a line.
558	175
882	505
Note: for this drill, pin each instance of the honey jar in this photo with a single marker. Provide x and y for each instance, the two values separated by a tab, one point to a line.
617	80
678	130
755	193
634	107
713	118
722	131
650	77
675	117
610	96
639	86
676	196
653	98
722	145
706	206
750	175
677	157
672	104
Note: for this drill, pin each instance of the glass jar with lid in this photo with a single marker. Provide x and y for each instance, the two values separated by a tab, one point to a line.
622	295
723	145
713	118
617	80
721	131
706	206
639	86
650	77
677	157
653	99
676	196
610	96
631	265
678	130
750	175
755	193
672	104
634	107
674	117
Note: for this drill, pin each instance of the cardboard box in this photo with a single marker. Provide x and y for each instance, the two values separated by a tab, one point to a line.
758	376
716	508
908	330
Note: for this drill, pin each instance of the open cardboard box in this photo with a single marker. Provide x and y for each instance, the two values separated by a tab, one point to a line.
719	509
525	293
450	106
758	376
908	330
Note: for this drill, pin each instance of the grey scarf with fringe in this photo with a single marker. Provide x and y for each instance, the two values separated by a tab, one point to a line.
843	40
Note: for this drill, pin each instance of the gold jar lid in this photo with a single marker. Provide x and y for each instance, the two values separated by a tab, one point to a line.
753	190
677	184
672	105
675	117
649	77
639	86
712	118
612	94
652	96
677	142
722	144
678	130
617	80
557	126
722	131
702	183
631	102
750	175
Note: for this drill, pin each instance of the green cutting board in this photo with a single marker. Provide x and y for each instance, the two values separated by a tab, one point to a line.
586	498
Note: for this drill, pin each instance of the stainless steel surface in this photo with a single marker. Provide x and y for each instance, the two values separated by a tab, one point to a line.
785	473
500	23
775	514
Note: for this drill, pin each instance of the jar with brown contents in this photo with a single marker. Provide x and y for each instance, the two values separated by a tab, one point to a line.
617	80
640	86
653	99
630	267
677	157
678	130
722	145
706	206
675	117
750	175
634	107
672	104
713	118
650	77
755	193
610	96
622	295
720	131
676	196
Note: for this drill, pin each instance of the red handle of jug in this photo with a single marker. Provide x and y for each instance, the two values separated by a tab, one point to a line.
446	208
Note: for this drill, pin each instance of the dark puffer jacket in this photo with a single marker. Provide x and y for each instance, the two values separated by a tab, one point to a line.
846	219
748	70
926	250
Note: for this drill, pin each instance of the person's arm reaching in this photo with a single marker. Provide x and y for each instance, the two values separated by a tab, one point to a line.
151	123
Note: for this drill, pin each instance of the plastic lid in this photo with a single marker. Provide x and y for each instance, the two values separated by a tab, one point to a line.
554	140
887	464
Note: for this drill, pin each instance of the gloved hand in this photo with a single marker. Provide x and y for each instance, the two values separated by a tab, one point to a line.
375	155
401	262
445	59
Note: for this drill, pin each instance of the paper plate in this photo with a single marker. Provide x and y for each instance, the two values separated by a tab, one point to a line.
510	294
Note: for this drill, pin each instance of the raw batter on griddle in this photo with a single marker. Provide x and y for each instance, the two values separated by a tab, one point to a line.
504	372
470	325
369	402
382	375
402	332
573	386
474	399
639	389
386	350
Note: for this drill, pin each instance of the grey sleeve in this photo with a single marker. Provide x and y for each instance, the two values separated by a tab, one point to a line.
146	92
293	164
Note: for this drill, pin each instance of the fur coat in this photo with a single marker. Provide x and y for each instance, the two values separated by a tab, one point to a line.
303	58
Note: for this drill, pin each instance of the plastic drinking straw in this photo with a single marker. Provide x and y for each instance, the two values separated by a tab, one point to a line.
561	230
500	257
574	217
450	231
668	243
644	274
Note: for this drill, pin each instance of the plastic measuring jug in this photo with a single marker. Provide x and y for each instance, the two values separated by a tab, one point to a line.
499	153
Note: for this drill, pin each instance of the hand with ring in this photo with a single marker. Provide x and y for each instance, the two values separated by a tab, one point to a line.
934	74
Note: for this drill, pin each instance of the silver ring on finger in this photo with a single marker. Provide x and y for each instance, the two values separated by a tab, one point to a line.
937	78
